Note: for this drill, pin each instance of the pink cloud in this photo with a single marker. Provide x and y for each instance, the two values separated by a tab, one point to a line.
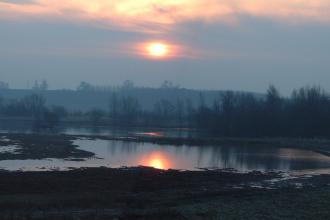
158	14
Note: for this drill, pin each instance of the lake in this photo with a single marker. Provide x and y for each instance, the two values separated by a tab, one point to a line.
121	153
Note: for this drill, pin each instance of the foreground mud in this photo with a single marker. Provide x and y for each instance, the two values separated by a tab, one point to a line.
146	193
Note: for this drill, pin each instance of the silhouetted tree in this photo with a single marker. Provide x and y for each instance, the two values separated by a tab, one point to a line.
273	112
164	109
129	109
1	104
34	104
51	119
43	86
4	85
114	106
228	111
248	116
60	111
179	111
190	112
96	115
203	114
169	85
128	84
84	86
77	113
310	112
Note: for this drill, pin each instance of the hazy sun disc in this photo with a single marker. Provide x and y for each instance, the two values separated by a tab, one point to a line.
158	49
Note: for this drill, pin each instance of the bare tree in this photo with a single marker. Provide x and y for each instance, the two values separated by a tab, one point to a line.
169	85
96	115
84	86
128	84
43	86
114	106
4	85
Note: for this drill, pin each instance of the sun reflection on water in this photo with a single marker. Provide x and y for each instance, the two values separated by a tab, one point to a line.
156	160
151	134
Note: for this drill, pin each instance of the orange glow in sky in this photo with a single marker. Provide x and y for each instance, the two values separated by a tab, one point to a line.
162	17
157	14
158	49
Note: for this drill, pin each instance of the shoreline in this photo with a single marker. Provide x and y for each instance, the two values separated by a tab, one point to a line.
144	193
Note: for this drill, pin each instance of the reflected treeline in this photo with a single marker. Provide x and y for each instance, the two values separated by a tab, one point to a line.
191	157
306	113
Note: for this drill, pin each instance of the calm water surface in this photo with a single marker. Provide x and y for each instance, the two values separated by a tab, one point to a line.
108	131
119	153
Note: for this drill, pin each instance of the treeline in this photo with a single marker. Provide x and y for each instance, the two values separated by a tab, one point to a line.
88	87
34	107
306	113
41	86
126	85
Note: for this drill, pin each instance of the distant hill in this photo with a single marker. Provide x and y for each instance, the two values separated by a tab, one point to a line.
86	100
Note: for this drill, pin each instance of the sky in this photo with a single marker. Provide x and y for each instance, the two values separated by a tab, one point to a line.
203	44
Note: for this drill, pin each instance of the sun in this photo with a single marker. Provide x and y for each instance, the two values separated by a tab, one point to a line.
157	49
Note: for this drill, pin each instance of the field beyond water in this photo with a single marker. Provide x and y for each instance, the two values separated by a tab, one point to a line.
148	193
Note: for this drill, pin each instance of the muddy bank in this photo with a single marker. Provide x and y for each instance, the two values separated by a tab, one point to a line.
34	146
146	193
135	179
119	189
